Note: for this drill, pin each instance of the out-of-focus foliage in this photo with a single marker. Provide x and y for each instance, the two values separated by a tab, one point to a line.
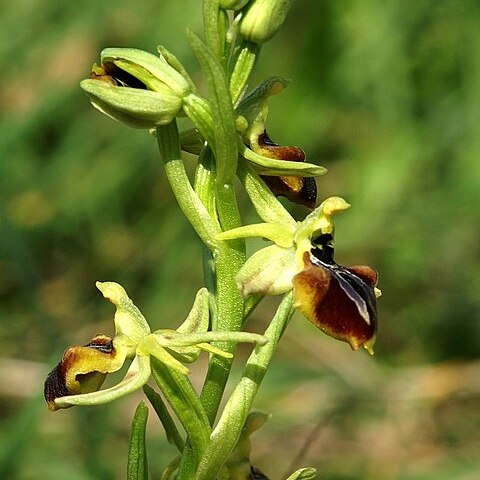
386	95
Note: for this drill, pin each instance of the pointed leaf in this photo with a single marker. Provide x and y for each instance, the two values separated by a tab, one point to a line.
137	467
171	431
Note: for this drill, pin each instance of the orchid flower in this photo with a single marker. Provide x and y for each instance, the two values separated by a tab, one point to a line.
340	301
77	379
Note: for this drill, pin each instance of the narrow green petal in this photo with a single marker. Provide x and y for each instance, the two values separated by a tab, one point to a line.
182	340
206	347
136	376
281	234
151	346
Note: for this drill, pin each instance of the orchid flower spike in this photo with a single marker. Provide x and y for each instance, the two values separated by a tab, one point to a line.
340	301
77	379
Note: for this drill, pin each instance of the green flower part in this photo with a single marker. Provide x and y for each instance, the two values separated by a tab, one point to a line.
136	87
263	18
77	379
338	300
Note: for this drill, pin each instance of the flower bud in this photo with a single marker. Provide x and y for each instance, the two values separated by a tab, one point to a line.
136	87
263	18
147	68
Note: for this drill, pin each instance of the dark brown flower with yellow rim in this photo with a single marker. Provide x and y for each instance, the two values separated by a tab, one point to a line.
300	190
338	300
82	370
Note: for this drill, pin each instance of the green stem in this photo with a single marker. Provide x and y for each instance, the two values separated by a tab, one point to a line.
229	258
188	200
180	394
227	432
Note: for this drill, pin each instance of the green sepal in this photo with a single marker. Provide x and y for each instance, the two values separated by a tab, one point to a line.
128	319
174	62
135	107
171	431
307	473
197	319
254	103
196	322
279	233
157	67
137	467
271	166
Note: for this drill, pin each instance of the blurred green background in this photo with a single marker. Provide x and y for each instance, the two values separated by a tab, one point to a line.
387	96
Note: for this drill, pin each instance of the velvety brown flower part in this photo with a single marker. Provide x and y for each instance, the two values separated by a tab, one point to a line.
338	300
82	370
300	190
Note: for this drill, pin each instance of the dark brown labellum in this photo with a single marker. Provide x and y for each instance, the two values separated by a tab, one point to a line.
338	300
300	190
73	366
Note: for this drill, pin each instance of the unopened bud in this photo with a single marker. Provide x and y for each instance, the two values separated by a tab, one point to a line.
263	18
